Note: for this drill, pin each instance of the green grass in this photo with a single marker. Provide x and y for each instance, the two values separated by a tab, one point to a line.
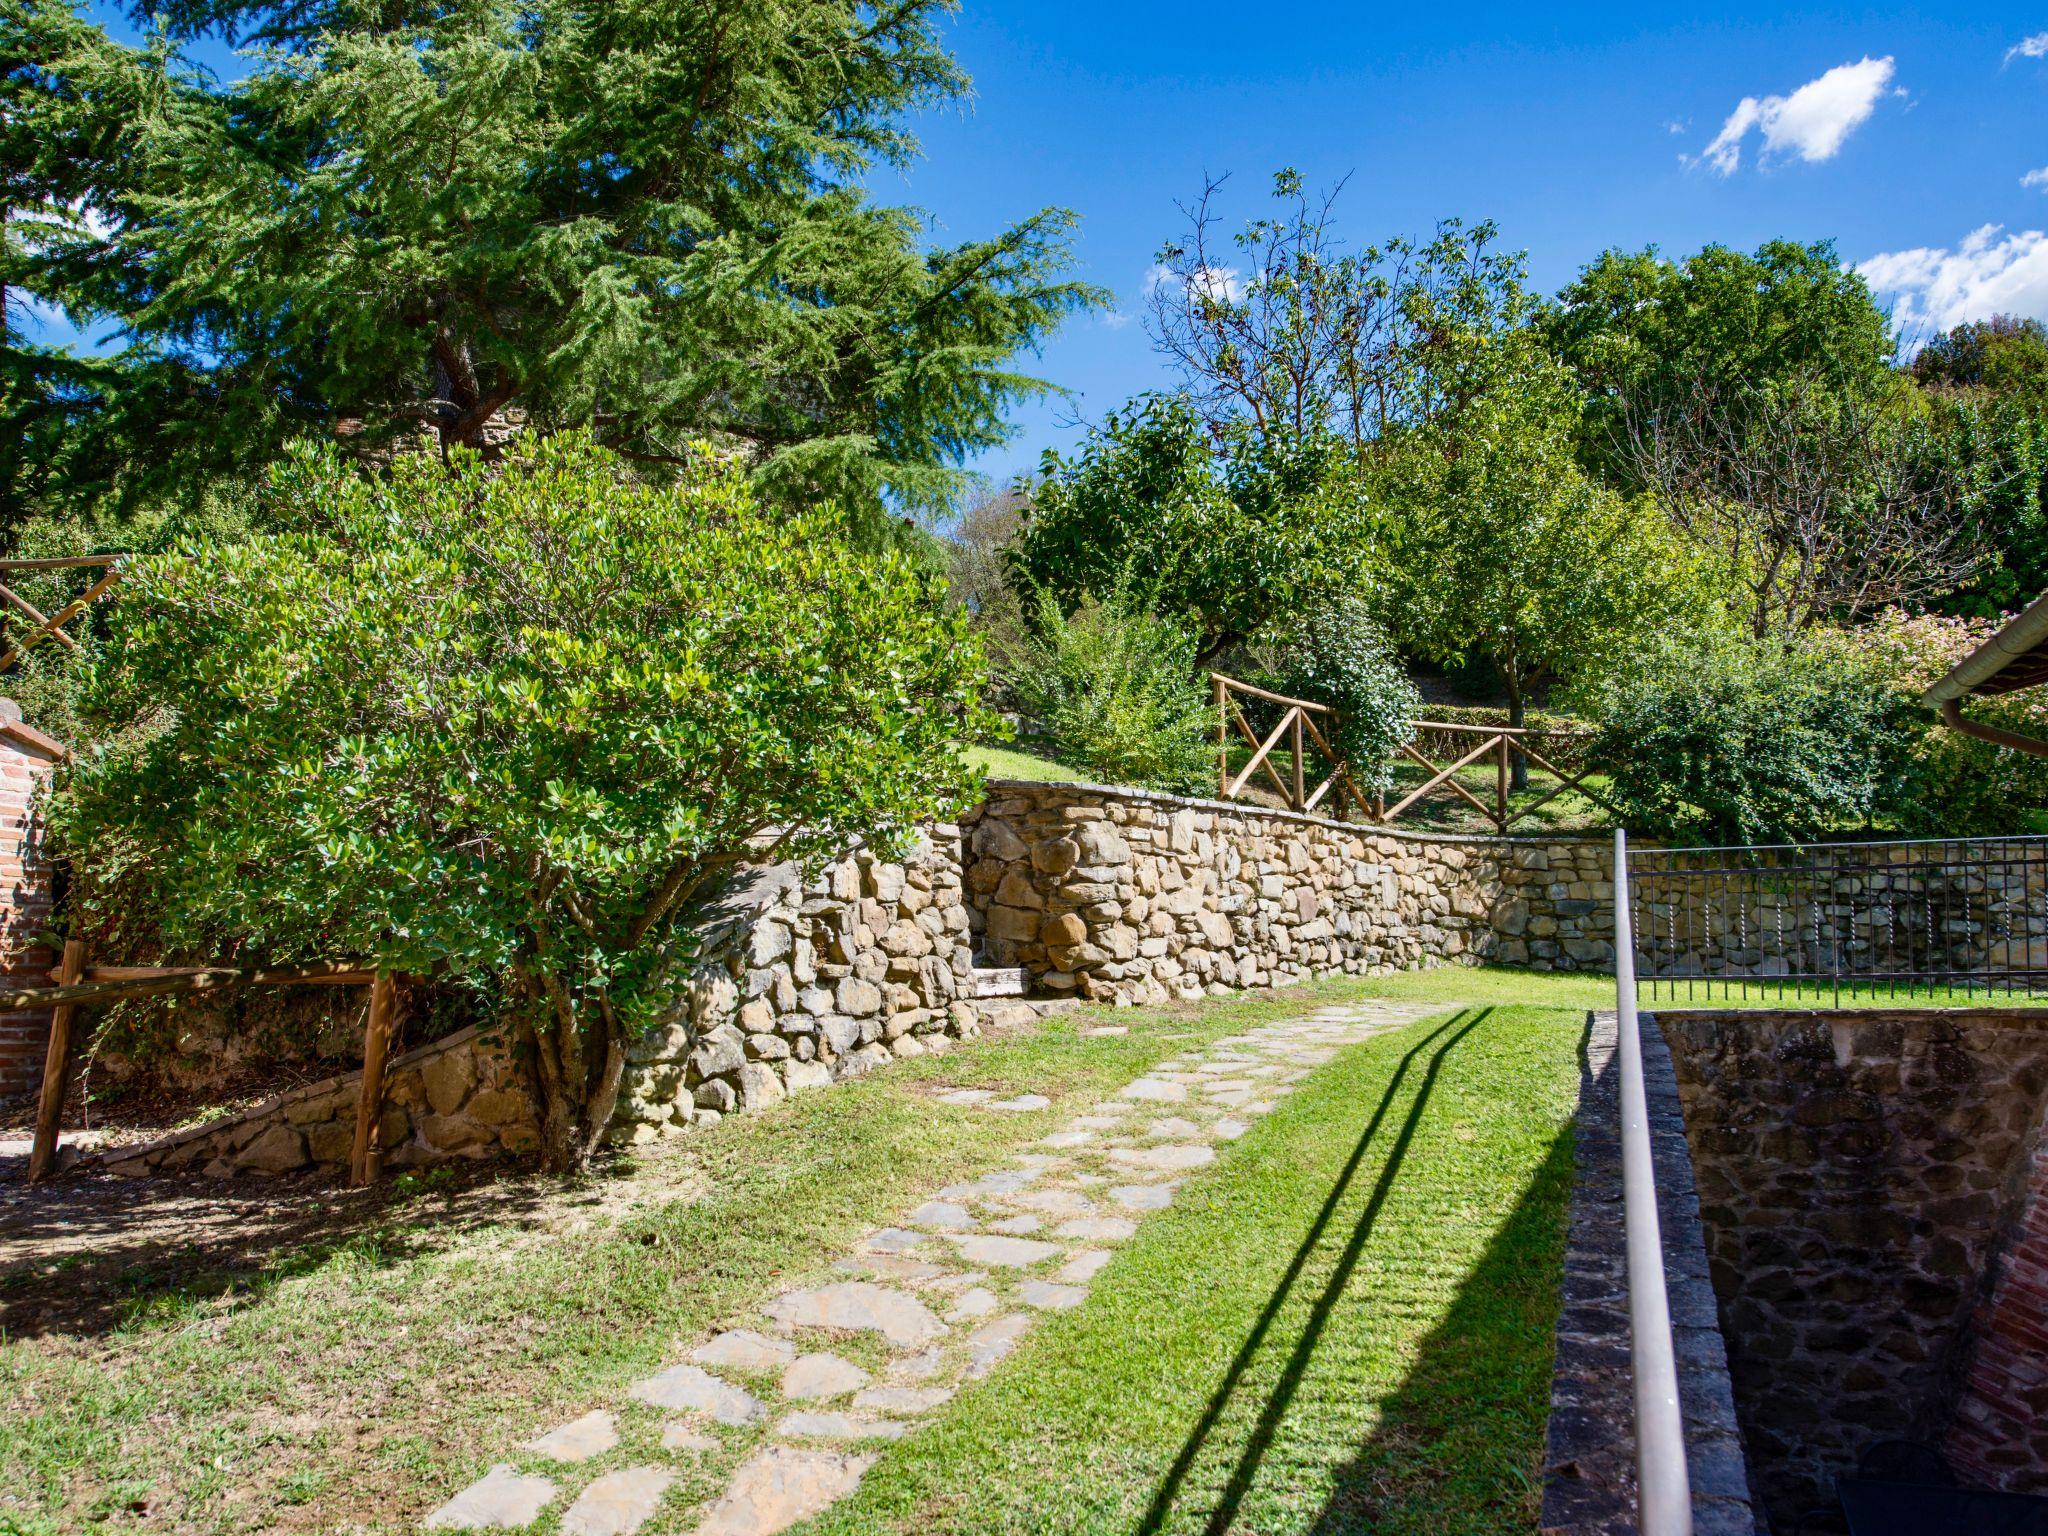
356	1375
1344	1326
1008	763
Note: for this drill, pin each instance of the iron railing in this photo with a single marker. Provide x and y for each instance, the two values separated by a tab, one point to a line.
1962	915
1663	1486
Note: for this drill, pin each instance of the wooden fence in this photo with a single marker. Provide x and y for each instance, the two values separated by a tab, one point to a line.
1464	745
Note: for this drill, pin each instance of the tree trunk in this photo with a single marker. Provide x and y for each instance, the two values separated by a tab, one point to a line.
1518	773
579	1064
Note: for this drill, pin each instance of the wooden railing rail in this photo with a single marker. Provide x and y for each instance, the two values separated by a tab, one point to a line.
1298	727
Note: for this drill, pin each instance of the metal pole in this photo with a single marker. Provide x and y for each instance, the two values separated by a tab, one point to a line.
1663	1491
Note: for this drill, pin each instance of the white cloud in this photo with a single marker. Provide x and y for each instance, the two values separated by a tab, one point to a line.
2036	179
1812	122
1116	319
1222	283
2035	47
1989	273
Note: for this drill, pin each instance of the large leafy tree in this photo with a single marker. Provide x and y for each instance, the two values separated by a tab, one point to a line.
1227	541
508	721
643	218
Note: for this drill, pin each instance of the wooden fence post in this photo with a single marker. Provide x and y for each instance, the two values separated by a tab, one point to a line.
42	1158
1501	785
366	1160
1222	735
1300	788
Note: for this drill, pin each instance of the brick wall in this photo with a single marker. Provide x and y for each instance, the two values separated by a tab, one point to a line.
1999	1435
26	758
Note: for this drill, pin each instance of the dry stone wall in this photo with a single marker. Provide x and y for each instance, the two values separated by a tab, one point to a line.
461	1097
1858	1176
803	983
1134	897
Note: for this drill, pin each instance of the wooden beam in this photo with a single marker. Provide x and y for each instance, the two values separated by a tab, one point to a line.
166	981
35	615
63	615
1252	736
1444	776
1217	681
1259	757
366	1158
1343	770
1274	698
66	563
42	1157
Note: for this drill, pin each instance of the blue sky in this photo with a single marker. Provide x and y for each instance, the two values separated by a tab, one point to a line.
1574	129
1903	135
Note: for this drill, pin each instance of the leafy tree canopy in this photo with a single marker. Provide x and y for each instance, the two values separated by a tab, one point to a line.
643	218
1226	541
506	721
2005	356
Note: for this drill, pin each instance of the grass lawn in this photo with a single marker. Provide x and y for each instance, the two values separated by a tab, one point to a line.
382	1350
1343	1327
1009	763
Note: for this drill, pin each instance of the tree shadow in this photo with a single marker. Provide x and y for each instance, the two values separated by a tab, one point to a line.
1438	1042
85	1255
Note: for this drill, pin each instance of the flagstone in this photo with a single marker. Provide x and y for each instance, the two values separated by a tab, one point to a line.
989	1343
1083	1266
1172	1157
1051	1297
1023	1103
1053	1202
579	1439
905	1400
941	1213
779	1486
1004	1252
1074	1138
1155	1091
502	1499
1016	1226
978	1302
892	1266
1144	1197
745	1350
681	1435
839	1426
1097	1229
618	1503
854	1306
693	1389
822	1375
1228	1130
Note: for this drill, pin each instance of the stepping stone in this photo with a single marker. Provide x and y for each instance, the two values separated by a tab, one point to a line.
1016	1226
1098	1229
1144	1197
989	1343
1077	1138
745	1350
964	1280
1099	1122
1174	1157
1228	1130
892	1240
618	1503
1104	1031
578	1440
967	1096
501	1499
693	1389
1152	1090
1173	1128
1054	1202
1004	1252
1050	1297
918	1367
1038	1162
777	1487
821	1375
676	1435
1089	1180
854	1306
1083	1266
906	1400
1229	1085
1261	1107
892	1266
978	1302
1007	1181
1022	1104
840	1426
942	1213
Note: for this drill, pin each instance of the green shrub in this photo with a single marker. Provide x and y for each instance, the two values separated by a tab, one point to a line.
505	720
1338	655
1741	740
1113	688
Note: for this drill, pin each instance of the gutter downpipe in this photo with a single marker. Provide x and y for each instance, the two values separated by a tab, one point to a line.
1663	1488
1945	698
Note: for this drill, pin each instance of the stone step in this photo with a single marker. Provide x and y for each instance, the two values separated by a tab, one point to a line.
999	981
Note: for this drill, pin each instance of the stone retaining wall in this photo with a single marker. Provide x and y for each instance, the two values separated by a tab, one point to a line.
460	1097
800	984
1137	897
1858	1174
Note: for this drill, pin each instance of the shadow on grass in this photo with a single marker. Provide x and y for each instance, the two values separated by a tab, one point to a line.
84	1256
1223	1517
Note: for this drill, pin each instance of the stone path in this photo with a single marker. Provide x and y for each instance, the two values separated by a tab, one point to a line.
837	1370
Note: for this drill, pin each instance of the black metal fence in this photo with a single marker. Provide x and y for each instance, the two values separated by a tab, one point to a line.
1950	915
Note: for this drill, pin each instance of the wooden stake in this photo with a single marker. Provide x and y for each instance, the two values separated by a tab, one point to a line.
42	1158
366	1160
1222	736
